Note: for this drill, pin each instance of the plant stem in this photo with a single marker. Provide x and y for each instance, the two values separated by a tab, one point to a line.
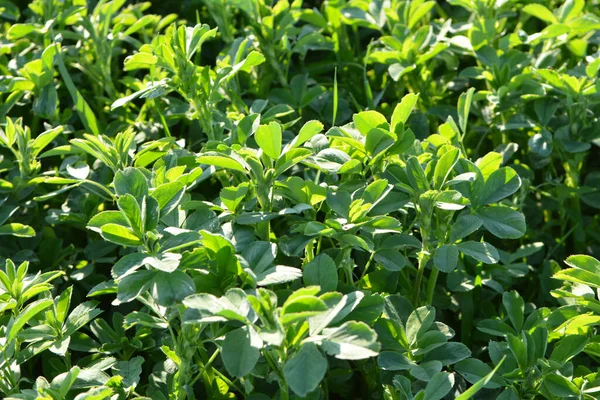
423	259
207	365
431	284
367	266
572	168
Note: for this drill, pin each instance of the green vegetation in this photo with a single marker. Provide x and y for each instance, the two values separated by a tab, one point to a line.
264	199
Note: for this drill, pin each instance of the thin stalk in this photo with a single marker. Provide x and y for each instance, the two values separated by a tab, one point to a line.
227	380
572	168
162	120
206	366
431	284
423	259
367	266
283	386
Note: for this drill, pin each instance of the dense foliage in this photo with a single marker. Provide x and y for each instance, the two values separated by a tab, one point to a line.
265	199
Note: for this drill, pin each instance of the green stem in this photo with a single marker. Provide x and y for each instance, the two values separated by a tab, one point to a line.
283	386
431	284
162	119
423	259
262	194
572	168
207	365
67	359
367	266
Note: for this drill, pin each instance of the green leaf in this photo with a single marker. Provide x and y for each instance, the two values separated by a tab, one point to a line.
79	170
561	387
438	386
578	276
495	327
62	303
129	370
540	11
260	255
131	181
367	120
336	314
166	262
489	163
376	191
404	387
240	351
128	264
132	63
464	107
278	274
475	371
81	316
416	175
168	195
378	140
515	307
305	370
390	259
403	110
301	306
232	196
480	384
107	217
368	310
168	288
44	139
351	341
444	166
518	349
139	24
481	251
451	200
310	129
446	258
120	235
427	370
268	138
132	285
394	361
419	322
503	222
289	159
448	353
465	225
568	347
221	161
131	211
584	262
24	316
152	214
339	202
500	184
322	272
18	230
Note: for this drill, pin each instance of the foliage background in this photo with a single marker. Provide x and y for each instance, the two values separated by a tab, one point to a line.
264	199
